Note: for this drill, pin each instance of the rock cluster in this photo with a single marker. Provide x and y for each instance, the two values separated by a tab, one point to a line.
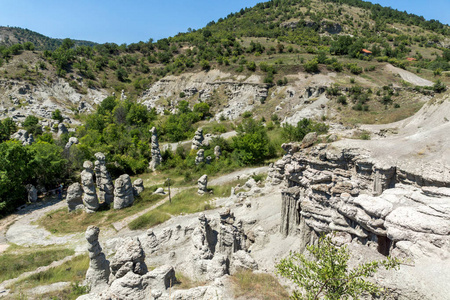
103	180
202	184
74	197
130	257
90	199
23	136
200	158
197	141
123	192
338	189
156	153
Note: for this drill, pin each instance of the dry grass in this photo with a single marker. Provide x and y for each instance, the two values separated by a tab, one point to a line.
259	286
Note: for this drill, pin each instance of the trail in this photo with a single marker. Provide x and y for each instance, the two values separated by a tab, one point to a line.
408	76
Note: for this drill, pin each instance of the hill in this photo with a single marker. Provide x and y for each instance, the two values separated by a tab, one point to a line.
15	35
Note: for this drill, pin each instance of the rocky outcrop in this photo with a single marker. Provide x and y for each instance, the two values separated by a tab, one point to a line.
138	187
103	180
123	192
90	199
198	139
72	141
231	237
97	276
202	184
341	189
74	197
24	137
130	257
62	129
156	153
203	239
200	158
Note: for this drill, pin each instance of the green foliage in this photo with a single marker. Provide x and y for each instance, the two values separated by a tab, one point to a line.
328	275
56	115
31	124
312	66
7	127
292	133
439	87
252	144
202	109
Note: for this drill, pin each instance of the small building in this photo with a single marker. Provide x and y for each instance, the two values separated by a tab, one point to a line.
366	52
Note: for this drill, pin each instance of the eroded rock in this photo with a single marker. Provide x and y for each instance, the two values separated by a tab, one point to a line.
123	192
74	197
90	199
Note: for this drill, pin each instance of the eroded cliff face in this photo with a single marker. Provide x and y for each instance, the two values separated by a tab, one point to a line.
341	189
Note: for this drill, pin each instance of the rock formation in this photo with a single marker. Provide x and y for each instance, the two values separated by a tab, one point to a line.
130	257
74	197
200	158
123	192
202	184
156	153
203	239
231	237
339	189
138	187
97	276
90	199
103	180
32	193
23	136
72	141
217	152
62	129
197	141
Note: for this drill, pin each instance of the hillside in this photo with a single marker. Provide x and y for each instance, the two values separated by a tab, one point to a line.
305	117
14	35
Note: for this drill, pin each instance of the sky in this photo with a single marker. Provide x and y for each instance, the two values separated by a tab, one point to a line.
121	21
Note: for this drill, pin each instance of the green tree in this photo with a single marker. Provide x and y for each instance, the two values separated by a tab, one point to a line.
56	115
47	165
31	124
7	127
327	275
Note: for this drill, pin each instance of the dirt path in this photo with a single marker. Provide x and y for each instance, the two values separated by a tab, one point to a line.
233	176
408	76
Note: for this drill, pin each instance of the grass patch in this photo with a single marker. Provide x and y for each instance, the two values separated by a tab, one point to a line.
185	283
14	264
71	271
185	202
62	222
257	286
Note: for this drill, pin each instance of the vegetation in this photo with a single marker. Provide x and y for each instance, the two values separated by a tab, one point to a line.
328	275
19	261
261	286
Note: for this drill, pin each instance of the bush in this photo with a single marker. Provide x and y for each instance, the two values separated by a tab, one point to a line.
312	66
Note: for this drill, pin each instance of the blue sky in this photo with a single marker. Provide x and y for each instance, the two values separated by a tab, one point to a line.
121	21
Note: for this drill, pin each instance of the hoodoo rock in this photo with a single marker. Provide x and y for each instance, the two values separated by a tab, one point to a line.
130	257
202	184
155	151
90	199
231	237
217	152
200	158
97	276
197	141
123	192
74	197
138	187
72	141
32	193
103	179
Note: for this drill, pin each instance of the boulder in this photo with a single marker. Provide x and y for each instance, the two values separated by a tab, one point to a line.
123	192
217	152
159	191
241	260
72	141
62	129
32	193
74	197
309	139
138	187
